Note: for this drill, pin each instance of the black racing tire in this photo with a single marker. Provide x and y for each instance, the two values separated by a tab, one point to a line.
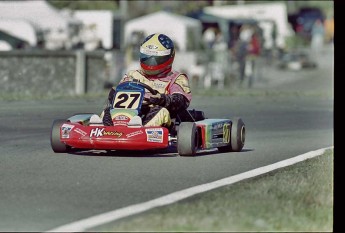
187	139
56	144
238	134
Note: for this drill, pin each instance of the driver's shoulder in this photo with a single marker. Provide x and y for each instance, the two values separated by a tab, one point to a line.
136	74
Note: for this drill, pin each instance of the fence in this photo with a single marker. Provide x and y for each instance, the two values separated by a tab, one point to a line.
77	72
58	72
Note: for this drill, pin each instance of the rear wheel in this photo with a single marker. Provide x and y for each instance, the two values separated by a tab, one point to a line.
187	139
55	142
238	134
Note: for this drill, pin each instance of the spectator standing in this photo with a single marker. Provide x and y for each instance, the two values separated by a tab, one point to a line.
241	51
220	61
317	36
209	37
329	29
254	51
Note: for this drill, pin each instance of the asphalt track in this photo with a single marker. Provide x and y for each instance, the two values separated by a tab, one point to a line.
41	190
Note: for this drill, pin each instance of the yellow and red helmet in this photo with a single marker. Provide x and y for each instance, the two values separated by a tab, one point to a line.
157	54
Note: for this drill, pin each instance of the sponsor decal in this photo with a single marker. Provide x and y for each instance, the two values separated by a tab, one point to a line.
226	133
65	130
100	132
217	126
154	135
216	136
159	84
97	132
112	133
124	123
121	118
151	46
81	132
135	133
153	52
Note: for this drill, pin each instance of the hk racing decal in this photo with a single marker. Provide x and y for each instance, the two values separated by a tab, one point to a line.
100	132
154	135
65	130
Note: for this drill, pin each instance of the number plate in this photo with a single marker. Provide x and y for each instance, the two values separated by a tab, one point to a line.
128	100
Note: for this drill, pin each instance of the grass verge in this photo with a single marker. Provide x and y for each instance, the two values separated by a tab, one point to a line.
296	198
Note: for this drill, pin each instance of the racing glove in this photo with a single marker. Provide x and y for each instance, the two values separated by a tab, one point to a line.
174	103
157	99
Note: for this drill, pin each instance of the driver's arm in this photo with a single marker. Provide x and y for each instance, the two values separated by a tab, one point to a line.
175	102
179	96
110	97
106	115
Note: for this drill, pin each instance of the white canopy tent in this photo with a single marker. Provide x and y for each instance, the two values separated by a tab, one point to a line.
21	29
37	12
58	29
97	27
275	12
184	31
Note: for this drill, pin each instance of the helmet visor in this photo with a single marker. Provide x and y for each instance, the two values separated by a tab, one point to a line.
150	60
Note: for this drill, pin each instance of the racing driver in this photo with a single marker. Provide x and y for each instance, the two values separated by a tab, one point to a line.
157	55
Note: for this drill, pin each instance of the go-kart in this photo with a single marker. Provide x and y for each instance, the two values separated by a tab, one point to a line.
191	131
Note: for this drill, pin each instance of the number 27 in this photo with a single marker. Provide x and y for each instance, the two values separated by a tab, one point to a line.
125	100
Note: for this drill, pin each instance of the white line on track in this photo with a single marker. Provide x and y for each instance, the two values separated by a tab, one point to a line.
84	224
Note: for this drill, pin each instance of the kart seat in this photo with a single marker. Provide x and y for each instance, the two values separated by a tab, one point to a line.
135	122
95	120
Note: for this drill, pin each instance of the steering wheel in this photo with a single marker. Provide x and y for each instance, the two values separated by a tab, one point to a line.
144	85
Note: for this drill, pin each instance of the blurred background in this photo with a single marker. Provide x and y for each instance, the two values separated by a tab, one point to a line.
56	47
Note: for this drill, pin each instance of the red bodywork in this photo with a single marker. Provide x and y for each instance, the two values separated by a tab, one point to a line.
114	137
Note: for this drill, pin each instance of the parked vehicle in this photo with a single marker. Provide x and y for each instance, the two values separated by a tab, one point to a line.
303	21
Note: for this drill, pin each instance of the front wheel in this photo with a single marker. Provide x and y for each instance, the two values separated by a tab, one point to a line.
55	142
187	139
